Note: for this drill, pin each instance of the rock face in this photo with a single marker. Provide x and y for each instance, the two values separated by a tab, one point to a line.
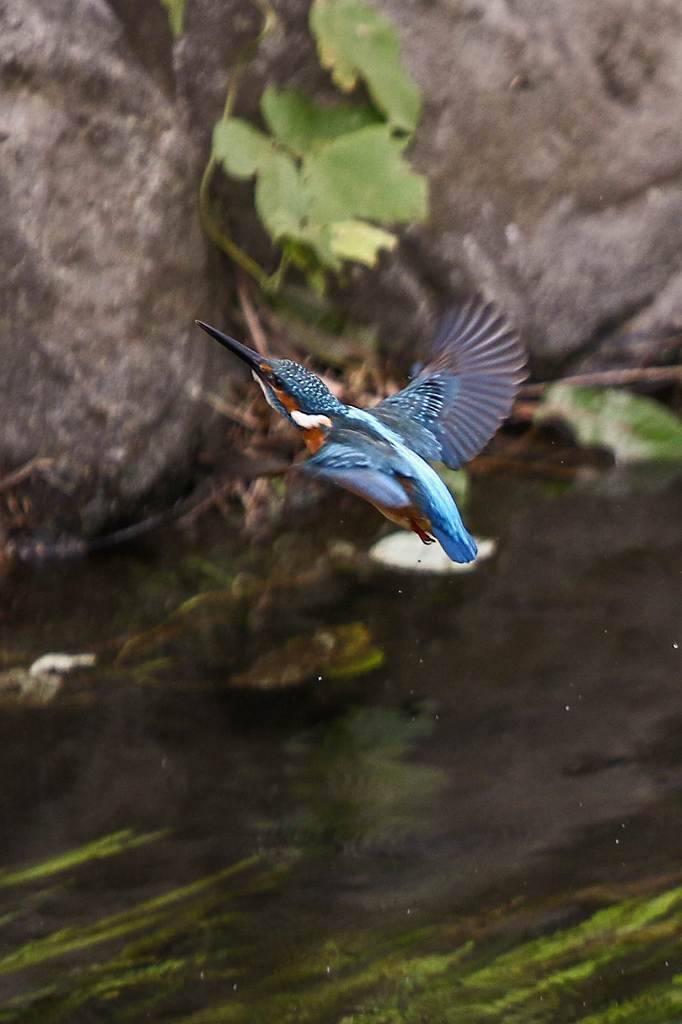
104	268
555	169
549	137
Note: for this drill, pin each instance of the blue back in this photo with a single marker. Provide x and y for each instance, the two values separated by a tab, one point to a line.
368	458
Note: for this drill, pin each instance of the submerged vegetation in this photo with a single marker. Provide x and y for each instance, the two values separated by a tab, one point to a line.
192	951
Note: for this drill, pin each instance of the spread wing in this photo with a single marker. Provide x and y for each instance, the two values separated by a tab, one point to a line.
464	391
360	464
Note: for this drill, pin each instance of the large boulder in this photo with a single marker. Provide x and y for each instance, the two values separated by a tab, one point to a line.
104	269
549	140
554	164
548	136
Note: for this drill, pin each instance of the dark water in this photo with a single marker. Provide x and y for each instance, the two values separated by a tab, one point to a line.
420	842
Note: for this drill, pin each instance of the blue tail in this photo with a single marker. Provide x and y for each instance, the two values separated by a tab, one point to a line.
458	545
437	502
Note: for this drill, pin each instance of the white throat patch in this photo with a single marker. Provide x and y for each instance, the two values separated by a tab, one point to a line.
306	422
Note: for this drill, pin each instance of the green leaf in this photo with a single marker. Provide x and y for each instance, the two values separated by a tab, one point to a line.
363	174
176	15
634	428
354	41
359	241
301	125
319	238
280	196
240	148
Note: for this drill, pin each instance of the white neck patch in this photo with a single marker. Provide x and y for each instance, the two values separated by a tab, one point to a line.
306	422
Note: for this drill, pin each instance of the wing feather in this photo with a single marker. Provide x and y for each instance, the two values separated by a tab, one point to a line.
350	459
465	389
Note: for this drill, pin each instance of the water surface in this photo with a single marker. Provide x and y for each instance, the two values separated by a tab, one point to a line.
419	842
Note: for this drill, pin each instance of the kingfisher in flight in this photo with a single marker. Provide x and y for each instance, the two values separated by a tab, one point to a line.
447	413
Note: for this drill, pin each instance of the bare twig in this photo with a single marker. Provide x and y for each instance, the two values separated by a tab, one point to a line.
217	497
253	323
218	235
524	411
610	378
217	403
36	465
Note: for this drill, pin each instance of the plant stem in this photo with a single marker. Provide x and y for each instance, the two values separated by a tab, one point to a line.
208	219
256	332
610	378
32	466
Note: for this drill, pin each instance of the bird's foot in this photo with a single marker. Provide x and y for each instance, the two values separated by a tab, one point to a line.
424	537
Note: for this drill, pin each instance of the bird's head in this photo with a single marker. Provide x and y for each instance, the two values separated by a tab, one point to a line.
295	392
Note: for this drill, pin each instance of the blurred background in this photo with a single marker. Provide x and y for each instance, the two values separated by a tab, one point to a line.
260	761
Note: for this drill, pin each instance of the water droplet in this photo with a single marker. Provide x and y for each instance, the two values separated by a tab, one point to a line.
567	707
676	646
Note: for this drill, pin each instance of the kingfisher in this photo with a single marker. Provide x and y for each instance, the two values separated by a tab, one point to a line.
447	413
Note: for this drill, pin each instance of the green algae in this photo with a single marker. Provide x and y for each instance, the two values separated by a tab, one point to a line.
611	967
576	974
107	846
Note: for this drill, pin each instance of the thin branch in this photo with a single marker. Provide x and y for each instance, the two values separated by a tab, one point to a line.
209	222
217	497
610	378
253	323
36	465
219	405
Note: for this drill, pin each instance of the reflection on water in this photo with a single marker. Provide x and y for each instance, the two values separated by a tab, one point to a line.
465	809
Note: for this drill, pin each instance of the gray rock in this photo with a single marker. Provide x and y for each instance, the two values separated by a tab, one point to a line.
555	170
548	136
549	140
104	268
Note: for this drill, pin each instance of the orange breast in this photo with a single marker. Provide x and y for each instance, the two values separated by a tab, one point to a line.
410	518
314	439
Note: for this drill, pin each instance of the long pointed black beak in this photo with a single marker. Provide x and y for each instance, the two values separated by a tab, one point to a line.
251	358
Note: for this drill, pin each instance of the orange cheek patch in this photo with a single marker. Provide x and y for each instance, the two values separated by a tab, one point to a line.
287	401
